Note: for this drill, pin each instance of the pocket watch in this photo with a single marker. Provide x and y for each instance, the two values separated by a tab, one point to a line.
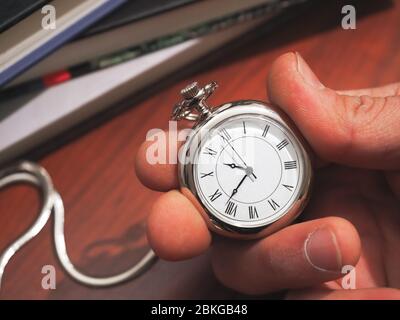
244	165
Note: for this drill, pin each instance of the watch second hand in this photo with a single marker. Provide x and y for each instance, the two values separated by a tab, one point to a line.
239	157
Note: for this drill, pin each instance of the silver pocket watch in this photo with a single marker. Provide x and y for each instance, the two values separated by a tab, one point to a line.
244	165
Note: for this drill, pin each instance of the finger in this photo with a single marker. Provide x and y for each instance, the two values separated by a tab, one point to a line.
156	162
352	130
175	229
392	89
298	256
360	294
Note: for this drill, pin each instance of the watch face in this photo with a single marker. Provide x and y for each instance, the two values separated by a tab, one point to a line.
248	170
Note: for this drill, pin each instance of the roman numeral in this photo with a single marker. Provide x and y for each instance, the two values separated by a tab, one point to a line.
210	174
273	204
290	165
215	195
290	188
253	214
244	127
210	152
231	208
225	134
282	144
266	129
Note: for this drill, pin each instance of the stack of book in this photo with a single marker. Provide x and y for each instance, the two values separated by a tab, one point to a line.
100	51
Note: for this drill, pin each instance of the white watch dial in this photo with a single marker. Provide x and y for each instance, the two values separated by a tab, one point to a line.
248	171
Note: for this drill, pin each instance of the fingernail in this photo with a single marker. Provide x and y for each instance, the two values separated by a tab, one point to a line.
322	250
307	74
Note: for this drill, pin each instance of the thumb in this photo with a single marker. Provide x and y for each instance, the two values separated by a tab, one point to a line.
360	131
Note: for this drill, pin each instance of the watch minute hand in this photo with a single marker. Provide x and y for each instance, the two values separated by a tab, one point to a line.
236	189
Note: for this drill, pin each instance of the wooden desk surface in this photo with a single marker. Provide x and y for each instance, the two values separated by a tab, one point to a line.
105	203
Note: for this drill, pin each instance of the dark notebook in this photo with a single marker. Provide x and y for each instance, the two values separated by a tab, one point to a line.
12	11
132	11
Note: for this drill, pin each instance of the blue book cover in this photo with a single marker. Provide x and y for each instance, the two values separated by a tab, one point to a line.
26	61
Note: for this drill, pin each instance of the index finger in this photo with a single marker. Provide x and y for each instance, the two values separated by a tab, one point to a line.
152	170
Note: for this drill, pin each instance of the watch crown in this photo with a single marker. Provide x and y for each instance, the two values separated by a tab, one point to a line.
193	107
190	91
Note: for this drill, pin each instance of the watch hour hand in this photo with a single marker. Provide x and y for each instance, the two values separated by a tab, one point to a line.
241	159
233	166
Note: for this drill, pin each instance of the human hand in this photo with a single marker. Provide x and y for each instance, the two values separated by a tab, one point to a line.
353	217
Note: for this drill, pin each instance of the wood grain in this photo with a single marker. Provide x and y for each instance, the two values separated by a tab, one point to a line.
105	203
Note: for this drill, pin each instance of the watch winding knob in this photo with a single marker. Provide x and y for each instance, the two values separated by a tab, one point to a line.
190	91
